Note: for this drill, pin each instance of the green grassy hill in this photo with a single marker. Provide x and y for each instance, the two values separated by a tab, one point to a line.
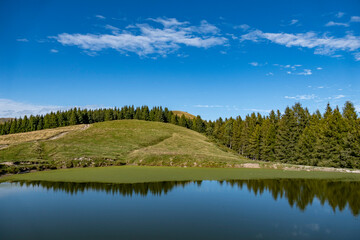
130	142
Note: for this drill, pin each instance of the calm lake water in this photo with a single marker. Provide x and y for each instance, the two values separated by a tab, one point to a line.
252	209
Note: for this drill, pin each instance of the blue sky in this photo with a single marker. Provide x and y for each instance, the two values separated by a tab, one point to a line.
212	58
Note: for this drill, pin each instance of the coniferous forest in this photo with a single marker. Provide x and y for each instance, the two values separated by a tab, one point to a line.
295	136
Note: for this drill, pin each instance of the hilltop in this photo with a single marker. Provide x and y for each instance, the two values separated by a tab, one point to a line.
186	114
2	120
119	142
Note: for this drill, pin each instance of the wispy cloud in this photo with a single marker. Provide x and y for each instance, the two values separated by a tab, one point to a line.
355	19
113	29
302	97
100	16
168	22
208	106
144	39
306	72
357	108
332	23
340	14
324	45
255	64
293	21
22	40
54	50
256	110
338	96
11	108
244	27
319	68
357	56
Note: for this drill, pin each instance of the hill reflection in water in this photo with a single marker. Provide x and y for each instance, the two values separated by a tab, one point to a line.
298	192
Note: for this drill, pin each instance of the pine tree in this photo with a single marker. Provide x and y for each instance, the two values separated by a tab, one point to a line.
285	139
73	118
268	132
306	147
174	119
331	139
350	152
254	143
13	126
182	121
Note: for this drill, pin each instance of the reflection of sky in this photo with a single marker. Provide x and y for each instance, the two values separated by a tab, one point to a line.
9	189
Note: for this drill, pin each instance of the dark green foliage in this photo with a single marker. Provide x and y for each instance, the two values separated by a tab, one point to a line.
296	137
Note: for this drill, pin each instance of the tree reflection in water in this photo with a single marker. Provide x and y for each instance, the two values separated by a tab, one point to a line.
298	192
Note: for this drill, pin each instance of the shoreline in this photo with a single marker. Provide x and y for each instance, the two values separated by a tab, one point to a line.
142	174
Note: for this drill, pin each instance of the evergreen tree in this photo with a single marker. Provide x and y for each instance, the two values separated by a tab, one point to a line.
285	139
255	143
182	121
331	139
73	118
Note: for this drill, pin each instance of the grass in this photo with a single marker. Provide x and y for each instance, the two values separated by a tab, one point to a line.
116	143
135	174
45	134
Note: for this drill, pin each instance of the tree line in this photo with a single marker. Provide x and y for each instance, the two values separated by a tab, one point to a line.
295	136
331	139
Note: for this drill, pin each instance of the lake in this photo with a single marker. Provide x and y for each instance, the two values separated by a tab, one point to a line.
248	209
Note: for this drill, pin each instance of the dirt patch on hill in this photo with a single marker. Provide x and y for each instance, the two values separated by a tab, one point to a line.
3	146
250	165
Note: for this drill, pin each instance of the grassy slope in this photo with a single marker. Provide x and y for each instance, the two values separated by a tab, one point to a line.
130	141
12	139
133	174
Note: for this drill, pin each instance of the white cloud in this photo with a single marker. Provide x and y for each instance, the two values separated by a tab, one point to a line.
339	96
244	27
257	110
22	40
112	28
255	64
306	72
319	68
208	106
357	108
293	21
270	74
302	97
340	14
324	45
144	39
332	23
10	108
355	19
100	16
54	51
168	22
357	56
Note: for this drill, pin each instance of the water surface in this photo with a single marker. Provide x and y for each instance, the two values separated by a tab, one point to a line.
252	209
